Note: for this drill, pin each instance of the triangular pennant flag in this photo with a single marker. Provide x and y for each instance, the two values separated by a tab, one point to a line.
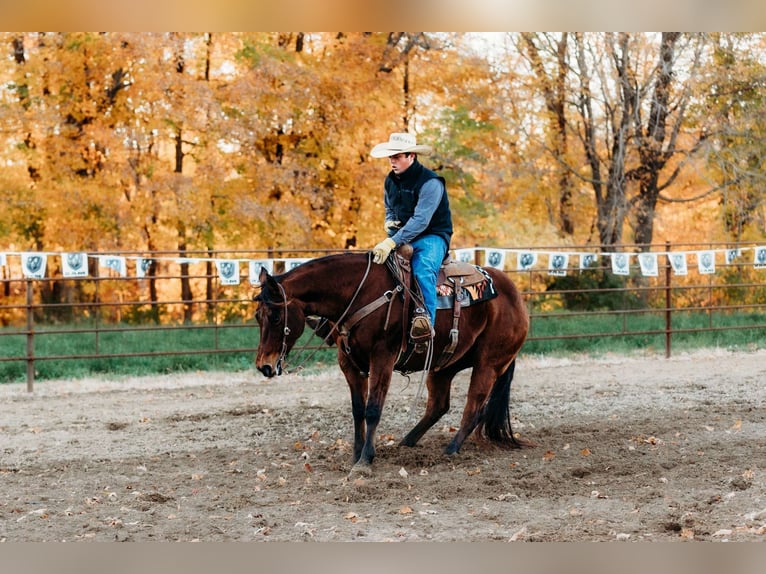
648	264
678	263
228	271
254	269
74	264
620	263
526	260
706	262
114	262
557	263
33	265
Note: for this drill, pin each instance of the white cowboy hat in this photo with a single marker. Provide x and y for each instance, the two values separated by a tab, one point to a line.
401	142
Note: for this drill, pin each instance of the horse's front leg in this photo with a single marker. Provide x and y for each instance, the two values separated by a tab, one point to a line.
379	382
357	384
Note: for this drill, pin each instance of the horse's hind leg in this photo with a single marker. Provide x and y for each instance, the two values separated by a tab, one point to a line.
478	391
438	385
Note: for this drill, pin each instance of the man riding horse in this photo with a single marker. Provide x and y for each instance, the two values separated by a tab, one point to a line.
418	213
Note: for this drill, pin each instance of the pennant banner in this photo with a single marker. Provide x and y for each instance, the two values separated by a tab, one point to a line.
465	255
648	264
620	263
228	271
33	265
557	263
142	266
678	263
526	260
254	270
495	258
706	262
115	263
588	260
759	259
74	264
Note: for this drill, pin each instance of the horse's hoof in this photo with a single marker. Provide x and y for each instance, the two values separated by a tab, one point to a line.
360	470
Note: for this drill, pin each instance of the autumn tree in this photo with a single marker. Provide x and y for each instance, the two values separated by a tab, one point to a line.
730	112
198	142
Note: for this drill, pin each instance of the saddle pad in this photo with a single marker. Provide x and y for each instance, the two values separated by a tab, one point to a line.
478	290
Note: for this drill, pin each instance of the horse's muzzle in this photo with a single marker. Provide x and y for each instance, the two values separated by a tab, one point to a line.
269	371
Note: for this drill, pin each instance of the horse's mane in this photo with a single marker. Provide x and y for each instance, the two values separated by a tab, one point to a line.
267	294
322	262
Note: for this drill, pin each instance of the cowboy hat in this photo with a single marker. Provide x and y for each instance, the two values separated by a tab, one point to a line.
399	143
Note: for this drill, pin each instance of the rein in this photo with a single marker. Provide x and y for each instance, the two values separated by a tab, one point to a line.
334	329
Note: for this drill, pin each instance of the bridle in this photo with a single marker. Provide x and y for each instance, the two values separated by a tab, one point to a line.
285	333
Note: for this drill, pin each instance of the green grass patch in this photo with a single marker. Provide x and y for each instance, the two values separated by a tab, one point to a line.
597	334
231	347
144	352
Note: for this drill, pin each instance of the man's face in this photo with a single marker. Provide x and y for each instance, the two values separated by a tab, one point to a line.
401	161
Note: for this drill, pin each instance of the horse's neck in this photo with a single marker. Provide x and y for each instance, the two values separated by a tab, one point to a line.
327	287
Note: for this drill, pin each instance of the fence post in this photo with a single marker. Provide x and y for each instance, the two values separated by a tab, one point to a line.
668	301
30	338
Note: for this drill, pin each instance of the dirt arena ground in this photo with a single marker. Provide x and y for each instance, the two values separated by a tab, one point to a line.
630	449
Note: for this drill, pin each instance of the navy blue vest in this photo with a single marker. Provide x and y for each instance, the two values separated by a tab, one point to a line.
403	193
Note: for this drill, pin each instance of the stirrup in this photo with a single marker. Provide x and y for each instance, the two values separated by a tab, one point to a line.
421	330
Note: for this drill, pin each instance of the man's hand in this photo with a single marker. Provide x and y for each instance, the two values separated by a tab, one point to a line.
381	251
390	224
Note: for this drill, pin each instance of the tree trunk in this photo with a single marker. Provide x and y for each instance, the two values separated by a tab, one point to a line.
186	291
652	150
554	90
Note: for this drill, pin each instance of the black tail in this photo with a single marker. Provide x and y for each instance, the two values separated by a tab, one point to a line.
497	413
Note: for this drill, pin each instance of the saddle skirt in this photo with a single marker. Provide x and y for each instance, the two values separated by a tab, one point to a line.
476	284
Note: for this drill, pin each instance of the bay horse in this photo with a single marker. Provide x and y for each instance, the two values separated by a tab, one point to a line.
337	287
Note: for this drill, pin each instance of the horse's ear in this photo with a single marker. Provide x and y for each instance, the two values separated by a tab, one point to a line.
263	276
270	285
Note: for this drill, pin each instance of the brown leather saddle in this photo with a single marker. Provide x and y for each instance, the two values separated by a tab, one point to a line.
459	284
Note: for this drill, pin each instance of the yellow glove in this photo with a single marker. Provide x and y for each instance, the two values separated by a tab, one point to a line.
390	224
381	251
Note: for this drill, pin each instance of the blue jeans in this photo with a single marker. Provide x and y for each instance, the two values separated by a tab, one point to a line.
428	253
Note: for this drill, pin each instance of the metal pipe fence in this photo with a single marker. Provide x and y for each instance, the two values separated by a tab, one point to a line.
181	308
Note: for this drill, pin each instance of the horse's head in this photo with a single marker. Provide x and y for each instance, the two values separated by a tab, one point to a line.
281	320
